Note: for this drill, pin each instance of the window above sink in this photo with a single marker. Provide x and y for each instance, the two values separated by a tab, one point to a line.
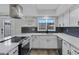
46	23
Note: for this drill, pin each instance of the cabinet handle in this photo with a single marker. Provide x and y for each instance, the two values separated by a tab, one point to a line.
76	51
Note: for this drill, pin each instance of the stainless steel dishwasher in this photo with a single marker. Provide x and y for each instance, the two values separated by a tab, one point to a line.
59	43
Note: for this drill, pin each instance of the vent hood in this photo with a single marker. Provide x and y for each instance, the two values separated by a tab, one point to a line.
16	11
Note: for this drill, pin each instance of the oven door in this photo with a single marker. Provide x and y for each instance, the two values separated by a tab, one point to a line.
26	49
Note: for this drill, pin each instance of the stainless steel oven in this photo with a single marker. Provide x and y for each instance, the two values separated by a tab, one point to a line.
24	44
26	49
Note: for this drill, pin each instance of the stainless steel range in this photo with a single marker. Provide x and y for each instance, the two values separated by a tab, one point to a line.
24	45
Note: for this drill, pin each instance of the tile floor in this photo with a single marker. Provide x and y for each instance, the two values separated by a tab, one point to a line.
43	52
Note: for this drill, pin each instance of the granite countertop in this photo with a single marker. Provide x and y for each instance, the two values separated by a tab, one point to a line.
7	46
74	41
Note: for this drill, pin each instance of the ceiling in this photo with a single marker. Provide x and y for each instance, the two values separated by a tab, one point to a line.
47	6
45	9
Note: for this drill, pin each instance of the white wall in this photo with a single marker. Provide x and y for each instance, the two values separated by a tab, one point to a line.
29	21
4	9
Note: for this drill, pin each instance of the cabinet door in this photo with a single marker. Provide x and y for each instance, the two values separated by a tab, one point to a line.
48	41
60	21
52	42
35	42
74	51
14	51
66	20
74	19
65	48
43	42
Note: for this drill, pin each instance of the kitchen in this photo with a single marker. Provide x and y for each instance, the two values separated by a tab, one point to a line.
39	29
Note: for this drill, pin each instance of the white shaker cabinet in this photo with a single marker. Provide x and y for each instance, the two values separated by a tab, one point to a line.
66	20
44	41
48	41
35	42
14	51
60	21
4	21
65	48
74	51
74	17
52	42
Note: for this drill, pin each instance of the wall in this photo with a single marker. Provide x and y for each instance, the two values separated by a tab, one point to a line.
28	21
70	22
74	31
4	9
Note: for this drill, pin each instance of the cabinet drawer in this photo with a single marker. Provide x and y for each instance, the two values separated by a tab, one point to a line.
14	51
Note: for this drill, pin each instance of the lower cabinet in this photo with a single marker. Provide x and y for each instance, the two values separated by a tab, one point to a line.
66	48
35	42
74	51
50	42
14	51
44	41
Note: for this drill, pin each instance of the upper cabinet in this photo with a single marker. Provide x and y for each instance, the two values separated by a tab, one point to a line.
63	21
70	18
5	26
60	21
4	9
74	18
66	20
